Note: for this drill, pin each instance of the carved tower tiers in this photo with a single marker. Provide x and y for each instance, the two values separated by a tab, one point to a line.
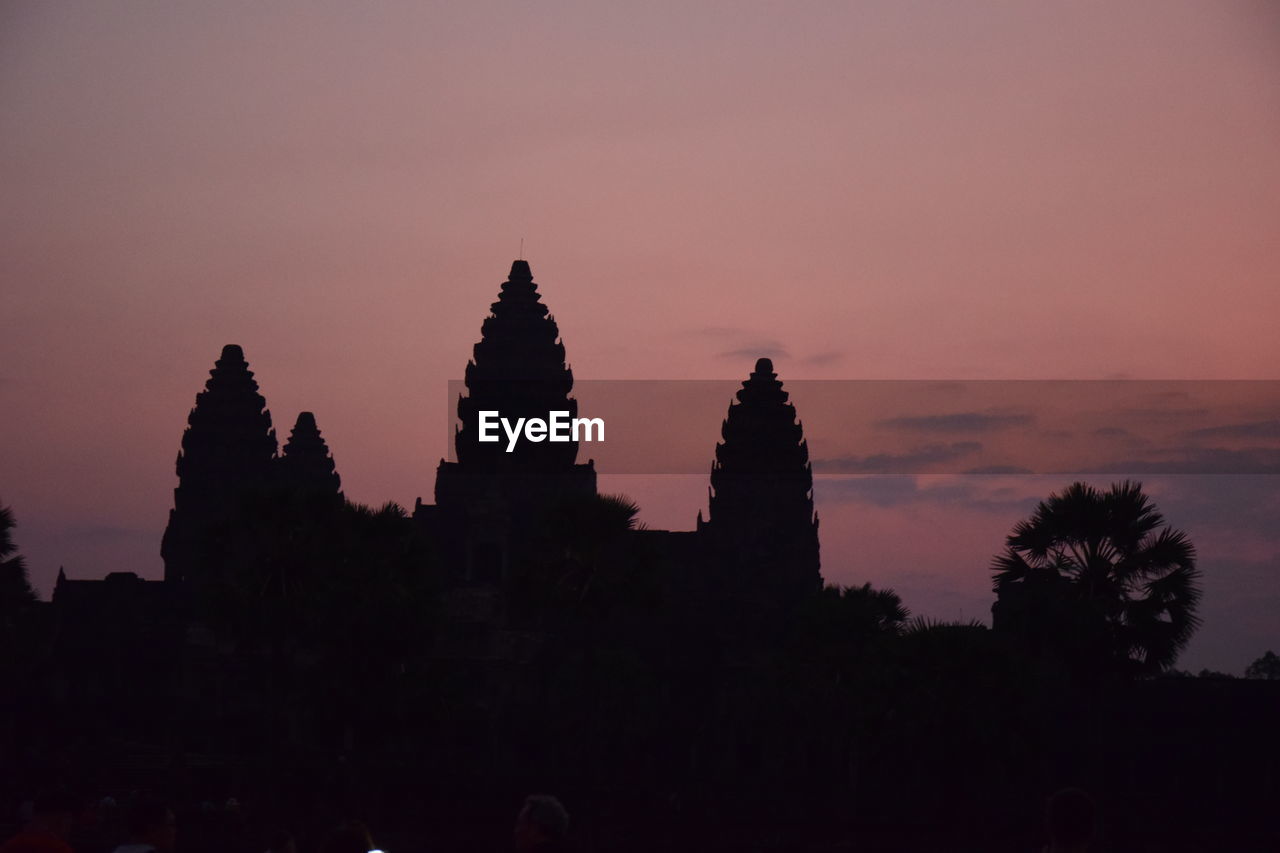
306	467
762	526
227	452
490	498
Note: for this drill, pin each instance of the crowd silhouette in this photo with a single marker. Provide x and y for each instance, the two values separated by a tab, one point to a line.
62	821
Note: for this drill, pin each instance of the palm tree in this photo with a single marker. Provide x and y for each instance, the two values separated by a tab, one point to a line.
853	616
587	534
1098	579
15	588
16	603
846	630
583	560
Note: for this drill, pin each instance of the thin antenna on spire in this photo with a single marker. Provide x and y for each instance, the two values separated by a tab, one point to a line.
522	248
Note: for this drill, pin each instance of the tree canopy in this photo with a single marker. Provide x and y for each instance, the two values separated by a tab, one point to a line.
1097	579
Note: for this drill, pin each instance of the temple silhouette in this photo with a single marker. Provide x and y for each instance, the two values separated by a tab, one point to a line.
521	631
757	550
762	524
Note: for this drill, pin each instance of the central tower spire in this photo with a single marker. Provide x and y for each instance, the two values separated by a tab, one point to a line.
492	498
517	369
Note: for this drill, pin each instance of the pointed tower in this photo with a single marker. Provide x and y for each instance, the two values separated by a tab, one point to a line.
306	466
227	450
489	496
762	526
517	369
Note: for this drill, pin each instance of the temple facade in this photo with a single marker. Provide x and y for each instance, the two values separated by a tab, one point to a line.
488	500
760	536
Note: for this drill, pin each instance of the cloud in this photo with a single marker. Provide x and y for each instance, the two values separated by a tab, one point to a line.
1166	396
1198	460
1015	496
1242	504
745	344
718	332
878	491
748	344
820	359
1120	436
958	422
897	463
1255	429
762	349
1162	415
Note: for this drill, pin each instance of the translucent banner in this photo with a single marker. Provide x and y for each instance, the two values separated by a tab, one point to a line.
890	427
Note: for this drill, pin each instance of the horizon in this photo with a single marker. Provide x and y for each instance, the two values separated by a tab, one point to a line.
898	192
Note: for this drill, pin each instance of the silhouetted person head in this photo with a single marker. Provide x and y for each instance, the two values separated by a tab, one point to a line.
151	826
542	824
351	837
1070	819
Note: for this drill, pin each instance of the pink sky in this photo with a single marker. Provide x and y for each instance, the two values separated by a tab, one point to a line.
884	189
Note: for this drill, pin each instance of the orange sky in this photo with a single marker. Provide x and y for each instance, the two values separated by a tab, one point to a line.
884	189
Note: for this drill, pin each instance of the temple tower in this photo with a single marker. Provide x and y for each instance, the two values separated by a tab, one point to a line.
227	451
518	369
762	527
491	498
306	467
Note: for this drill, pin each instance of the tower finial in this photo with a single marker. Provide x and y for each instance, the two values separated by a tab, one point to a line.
520	271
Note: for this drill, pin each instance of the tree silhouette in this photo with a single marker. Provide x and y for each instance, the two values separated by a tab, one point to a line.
331	602
847	633
587	572
586	533
15	588
1266	667
848	618
18	604
1097	579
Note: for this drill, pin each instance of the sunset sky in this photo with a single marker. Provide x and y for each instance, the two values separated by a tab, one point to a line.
876	190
